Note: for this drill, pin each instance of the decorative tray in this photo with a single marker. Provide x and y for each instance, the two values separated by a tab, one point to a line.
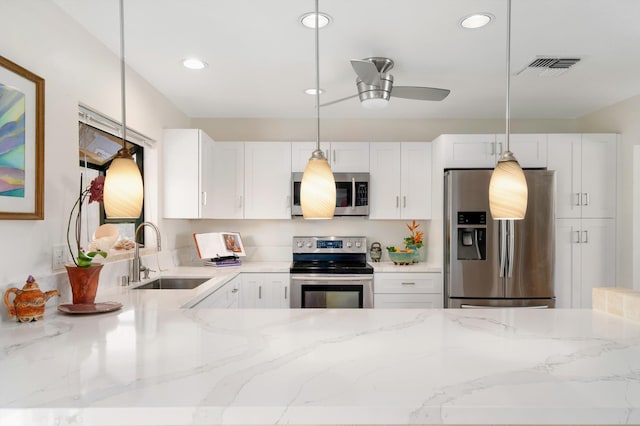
89	308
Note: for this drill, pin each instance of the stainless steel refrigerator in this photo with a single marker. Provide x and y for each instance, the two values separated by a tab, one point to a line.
498	263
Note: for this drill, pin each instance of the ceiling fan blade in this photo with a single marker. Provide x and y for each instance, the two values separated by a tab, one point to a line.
367	71
419	93
339	100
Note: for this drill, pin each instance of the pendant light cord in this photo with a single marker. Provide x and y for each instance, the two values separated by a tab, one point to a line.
317	29
122	84
508	125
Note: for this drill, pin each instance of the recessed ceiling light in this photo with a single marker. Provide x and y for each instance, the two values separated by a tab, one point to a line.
309	20
194	64
477	20
312	91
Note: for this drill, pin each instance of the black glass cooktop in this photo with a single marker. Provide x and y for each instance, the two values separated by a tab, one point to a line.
330	267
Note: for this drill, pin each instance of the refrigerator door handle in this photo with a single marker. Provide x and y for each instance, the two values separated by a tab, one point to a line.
503	247
512	247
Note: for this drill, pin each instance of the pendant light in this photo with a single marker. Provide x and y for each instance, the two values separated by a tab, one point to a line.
318	186
508	187
123	190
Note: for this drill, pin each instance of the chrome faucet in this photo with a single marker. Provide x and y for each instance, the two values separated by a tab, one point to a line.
137	266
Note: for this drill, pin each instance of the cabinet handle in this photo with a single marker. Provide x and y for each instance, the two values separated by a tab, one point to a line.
334	156
204	198
585	234
585	198
578	199
397	201
240	205
404	201
259	292
408	283
500	145
326	155
235	290
493	148
285	293
578	237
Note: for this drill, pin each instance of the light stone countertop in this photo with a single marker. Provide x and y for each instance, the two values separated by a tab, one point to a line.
155	363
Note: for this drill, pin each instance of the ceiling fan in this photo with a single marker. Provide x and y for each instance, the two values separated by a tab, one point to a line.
375	85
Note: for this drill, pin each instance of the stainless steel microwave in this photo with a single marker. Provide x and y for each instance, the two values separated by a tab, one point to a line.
352	194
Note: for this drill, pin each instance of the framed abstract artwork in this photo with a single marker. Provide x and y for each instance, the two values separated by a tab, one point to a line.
21	143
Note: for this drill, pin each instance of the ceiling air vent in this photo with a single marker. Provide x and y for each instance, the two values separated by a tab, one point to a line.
548	67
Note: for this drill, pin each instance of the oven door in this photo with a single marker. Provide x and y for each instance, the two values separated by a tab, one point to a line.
331	291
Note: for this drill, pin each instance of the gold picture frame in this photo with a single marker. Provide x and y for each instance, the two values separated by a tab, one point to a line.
21	143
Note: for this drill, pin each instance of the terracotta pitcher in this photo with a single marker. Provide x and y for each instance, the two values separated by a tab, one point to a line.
28	305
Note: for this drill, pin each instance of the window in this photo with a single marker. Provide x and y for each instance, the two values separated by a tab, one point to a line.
99	141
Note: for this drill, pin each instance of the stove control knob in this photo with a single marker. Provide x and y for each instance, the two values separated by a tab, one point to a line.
309	244
358	244
349	244
299	244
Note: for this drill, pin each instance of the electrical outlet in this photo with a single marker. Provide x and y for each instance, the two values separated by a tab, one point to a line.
59	257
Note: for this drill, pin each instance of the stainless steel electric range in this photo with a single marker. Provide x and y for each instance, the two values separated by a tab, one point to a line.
331	272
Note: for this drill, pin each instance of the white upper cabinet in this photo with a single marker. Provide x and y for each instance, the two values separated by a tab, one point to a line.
301	152
267	184
400	180
227	193
347	157
469	151
483	151
529	149
586	174
188	174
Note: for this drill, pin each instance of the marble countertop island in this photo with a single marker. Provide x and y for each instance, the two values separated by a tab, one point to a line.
153	362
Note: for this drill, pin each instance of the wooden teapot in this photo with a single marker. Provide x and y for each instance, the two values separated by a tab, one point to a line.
28	305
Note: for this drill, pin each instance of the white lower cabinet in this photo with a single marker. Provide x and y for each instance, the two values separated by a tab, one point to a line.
264	290
585	258
225	297
407	290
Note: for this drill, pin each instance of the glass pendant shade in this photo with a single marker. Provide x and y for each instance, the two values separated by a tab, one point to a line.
508	189
318	188
123	190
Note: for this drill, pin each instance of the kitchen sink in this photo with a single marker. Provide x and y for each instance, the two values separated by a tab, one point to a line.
172	284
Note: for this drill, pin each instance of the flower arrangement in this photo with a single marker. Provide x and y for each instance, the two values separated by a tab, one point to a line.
415	236
95	193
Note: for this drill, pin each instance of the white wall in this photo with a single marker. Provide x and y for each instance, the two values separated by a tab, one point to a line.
76	69
622	118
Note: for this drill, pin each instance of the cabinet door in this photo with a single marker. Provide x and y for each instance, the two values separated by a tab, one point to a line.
267	183
567	264
350	157
225	199
181	169
598	260
301	152
208	185
415	180
530	149
564	158
598	194
384	189
277	290
225	297
251	291
469	151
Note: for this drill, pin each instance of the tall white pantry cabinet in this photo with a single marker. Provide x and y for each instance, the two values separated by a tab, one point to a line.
586	188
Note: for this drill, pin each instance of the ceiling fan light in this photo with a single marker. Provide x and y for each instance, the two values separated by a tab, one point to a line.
508	191
375	103
318	188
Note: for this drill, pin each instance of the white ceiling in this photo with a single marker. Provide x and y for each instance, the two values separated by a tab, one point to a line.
261	58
